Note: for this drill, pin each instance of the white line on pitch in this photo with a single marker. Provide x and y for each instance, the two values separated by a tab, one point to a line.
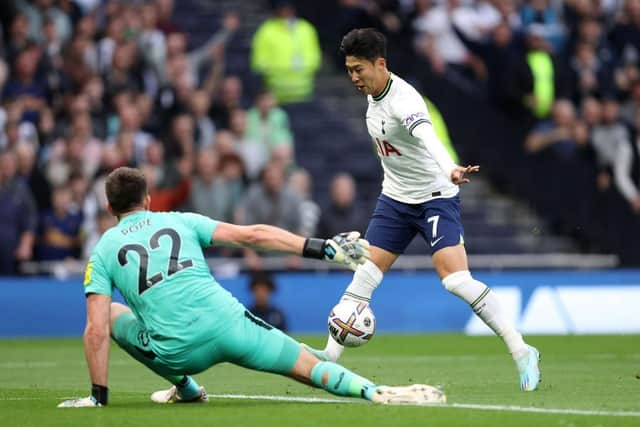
532	409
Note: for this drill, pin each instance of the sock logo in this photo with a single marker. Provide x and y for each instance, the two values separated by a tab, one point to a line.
335	387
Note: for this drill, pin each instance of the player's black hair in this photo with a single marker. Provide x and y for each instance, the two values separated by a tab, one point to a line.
262	278
366	43
126	189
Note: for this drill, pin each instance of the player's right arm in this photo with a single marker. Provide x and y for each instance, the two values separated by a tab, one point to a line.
347	248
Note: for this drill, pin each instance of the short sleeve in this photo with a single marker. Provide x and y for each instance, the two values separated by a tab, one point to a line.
411	111
202	225
96	278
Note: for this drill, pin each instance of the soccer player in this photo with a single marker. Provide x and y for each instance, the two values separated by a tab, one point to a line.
419	195
180	321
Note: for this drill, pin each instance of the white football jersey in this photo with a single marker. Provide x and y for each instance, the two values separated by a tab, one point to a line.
411	175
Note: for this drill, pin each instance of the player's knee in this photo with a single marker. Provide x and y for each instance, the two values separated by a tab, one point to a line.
457	279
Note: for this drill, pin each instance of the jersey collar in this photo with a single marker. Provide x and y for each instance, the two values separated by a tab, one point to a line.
385	91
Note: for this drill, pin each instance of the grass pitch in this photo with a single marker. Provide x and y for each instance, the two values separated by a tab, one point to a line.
587	381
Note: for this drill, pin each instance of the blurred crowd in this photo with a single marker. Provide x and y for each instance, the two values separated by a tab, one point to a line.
88	85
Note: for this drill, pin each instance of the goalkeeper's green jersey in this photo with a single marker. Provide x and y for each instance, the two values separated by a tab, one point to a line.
155	260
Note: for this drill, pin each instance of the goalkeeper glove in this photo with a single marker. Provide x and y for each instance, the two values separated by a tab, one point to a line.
344	248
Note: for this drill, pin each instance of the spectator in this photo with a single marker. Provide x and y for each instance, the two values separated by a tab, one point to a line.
542	13
229	99
254	154
25	86
615	154
591	112
630	109
205	128
499	53
269	126
18	216
169	198
300	183
270	202
104	222
342	214
286	52
38	11
60	228
207	195
558	134
438	42
536	80
588	74
262	288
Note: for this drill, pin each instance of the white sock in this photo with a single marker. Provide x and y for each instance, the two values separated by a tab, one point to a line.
333	350
485	304
365	280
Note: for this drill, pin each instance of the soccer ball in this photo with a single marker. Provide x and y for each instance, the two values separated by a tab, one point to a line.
351	323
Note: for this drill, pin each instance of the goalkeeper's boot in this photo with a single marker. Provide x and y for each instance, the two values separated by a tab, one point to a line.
416	394
172	395
529	370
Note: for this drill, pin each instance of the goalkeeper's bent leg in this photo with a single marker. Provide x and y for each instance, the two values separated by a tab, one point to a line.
126	331
331	377
338	380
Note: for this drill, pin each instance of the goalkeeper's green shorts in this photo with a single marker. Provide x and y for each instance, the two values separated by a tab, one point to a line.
246	340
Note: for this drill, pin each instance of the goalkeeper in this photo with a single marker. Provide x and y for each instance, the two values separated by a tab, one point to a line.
181	321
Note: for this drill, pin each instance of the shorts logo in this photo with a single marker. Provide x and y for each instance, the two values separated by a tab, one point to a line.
87	274
435	242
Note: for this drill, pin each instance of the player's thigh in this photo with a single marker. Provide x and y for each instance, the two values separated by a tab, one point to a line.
131	335
391	226
253	343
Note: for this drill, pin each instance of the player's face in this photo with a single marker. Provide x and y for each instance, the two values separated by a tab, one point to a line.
365	75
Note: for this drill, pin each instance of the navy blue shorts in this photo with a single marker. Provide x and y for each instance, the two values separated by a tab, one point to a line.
394	224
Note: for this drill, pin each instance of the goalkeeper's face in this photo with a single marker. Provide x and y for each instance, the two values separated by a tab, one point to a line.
369	77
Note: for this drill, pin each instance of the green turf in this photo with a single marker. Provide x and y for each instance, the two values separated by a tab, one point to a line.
587	373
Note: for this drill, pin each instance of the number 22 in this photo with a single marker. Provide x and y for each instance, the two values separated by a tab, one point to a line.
144	282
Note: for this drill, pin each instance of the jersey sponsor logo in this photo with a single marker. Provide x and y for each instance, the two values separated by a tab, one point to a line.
385	148
411	118
87	274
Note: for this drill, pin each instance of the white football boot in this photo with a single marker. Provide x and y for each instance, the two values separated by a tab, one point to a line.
416	394
172	396
529	370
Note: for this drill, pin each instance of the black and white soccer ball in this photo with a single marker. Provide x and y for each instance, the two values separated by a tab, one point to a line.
351	323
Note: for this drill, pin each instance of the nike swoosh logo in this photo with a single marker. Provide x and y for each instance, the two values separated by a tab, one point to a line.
435	242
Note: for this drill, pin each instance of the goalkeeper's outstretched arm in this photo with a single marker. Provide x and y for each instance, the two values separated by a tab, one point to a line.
347	248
